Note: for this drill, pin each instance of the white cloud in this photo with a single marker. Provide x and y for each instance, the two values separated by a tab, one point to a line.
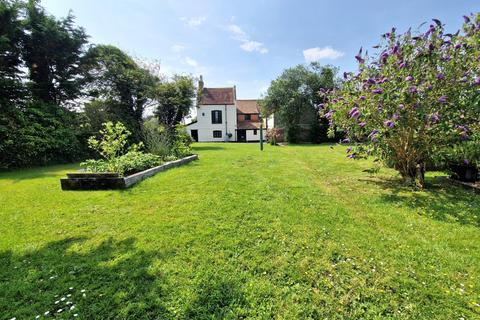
237	33
315	54
253	46
246	44
193	21
191	62
177	48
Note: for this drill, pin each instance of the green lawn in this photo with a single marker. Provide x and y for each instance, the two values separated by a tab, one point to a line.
295	232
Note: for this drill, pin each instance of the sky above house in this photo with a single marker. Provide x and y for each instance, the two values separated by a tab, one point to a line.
249	43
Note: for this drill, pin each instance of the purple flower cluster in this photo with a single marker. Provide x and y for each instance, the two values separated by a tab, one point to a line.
389	123
442	99
374	135
354	112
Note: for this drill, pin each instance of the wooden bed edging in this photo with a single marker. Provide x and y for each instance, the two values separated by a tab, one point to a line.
467	185
110	181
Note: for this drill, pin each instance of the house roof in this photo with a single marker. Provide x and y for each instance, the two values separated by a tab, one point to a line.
218	96
248	125
247	106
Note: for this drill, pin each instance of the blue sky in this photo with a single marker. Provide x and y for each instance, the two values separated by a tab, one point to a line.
249	43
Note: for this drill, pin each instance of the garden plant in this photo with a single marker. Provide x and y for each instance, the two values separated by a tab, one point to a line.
420	94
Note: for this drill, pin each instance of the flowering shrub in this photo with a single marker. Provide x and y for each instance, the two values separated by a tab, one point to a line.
274	136
420	93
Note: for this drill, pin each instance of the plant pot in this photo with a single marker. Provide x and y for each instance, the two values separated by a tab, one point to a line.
467	173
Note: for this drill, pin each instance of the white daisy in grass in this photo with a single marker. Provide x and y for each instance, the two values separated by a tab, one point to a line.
75	315
59	310
72	307
47	313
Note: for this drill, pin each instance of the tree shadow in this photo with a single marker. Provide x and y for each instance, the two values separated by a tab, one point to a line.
440	200
114	280
20	174
207	148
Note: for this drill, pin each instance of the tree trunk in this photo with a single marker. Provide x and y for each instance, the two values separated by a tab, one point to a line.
420	175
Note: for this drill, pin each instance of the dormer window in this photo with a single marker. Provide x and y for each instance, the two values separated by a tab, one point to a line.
216	116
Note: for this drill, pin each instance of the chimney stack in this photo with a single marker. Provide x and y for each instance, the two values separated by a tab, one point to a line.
200	84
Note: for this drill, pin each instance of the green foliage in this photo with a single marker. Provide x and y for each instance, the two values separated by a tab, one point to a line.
128	163
53	51
293	98
419	94
181	145
121	88
461	153
160	142
39	134
157	141
113	141
173	101
117	155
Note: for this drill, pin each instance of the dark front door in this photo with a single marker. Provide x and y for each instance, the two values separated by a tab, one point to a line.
241	135
195	135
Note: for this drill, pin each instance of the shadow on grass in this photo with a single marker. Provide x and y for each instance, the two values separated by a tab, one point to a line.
207	148
20	174
115	280
440	200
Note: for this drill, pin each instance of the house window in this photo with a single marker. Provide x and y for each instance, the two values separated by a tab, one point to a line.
255	132
248	117
217	134
203	114
216	116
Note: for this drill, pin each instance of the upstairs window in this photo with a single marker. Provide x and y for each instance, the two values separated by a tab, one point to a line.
248	117
217	134
216	116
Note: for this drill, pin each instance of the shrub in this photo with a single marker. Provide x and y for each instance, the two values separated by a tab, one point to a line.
156	139
112	146
274	136
182	141
419	93
169	146
462	153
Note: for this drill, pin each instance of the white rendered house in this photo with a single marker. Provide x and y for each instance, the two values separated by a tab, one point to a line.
221	117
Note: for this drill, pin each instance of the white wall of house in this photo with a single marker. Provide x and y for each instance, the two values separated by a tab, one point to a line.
205	126
271	122
252	137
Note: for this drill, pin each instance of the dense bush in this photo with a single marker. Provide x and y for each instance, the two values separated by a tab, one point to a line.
419	94
39	134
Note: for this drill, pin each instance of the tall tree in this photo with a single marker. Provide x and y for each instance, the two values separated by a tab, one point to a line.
119	85
174	99
11	35
53	52
11	88
293	97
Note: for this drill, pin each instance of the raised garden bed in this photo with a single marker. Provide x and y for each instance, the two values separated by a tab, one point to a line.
109	181
475	186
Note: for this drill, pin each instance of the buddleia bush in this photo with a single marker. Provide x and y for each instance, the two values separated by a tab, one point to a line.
419	93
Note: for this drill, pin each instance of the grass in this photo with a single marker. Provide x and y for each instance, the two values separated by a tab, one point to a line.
295	232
